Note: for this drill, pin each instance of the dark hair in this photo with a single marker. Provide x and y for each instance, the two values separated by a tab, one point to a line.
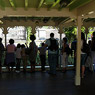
32	37
22	46
0	39
65	39
51	34
11	41
18	45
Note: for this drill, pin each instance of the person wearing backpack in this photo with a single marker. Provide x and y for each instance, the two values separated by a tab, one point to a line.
52	45
1	53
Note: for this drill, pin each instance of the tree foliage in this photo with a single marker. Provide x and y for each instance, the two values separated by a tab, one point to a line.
70	33
29	32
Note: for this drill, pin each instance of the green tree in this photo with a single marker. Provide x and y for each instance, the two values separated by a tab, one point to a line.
29	32
70	33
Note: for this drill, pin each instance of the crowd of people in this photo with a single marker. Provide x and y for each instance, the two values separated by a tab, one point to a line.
21	53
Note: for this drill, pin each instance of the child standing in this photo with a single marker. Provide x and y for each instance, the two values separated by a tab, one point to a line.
33	52
24	57
42	50
18	57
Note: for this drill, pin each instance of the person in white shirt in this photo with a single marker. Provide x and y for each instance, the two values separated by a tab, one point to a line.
18	57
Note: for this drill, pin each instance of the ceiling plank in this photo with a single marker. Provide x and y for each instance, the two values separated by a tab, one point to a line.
78	4
40	4
55	4
13	4
2	5
26	4
84	10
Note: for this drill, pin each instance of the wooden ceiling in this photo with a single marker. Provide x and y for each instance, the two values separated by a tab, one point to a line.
13	6
37	4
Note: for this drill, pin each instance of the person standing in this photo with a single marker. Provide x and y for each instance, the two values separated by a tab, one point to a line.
1	53
42	51
74	48
33	52
24	57
52	45
18	58
64	54
93	49
83	53
10	55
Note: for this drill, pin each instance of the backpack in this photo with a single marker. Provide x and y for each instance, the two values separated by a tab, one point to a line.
53	45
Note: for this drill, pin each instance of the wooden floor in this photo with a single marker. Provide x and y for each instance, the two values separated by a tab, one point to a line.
44	84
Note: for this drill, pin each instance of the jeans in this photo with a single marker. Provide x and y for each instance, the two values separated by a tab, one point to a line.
52	59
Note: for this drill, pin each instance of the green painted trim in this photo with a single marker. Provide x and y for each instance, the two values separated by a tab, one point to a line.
2	4
71	2
78	4
40	4
26	3
13	4
55	4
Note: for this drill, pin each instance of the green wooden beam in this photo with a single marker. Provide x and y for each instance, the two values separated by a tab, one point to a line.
54	4
13	4
71	2
26	4
40	4
78	4
2	5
